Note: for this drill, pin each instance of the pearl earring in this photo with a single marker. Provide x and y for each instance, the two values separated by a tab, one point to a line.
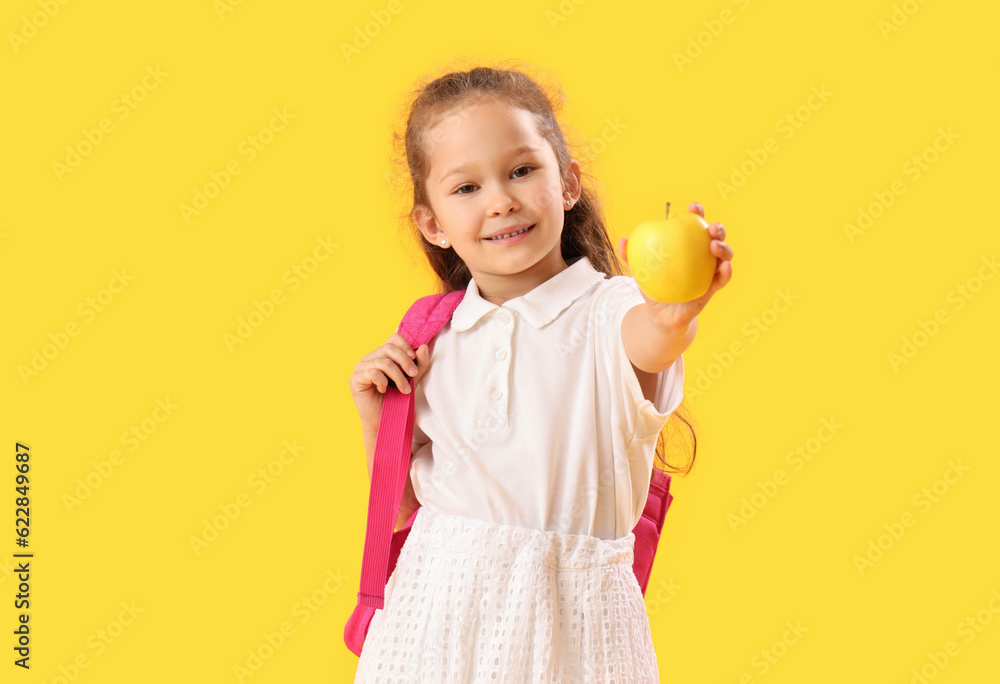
568	202
444	242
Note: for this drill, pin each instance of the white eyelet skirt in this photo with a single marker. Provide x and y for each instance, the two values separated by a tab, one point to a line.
474	601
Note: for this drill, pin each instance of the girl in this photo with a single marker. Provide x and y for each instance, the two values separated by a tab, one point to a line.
537	419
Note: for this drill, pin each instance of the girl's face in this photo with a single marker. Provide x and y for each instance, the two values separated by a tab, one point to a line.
491	173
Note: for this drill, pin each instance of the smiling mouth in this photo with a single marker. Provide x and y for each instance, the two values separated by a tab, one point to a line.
523	230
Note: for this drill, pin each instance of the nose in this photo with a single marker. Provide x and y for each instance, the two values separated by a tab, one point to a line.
503	202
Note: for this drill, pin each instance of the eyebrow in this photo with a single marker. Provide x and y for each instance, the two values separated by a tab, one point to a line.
462	168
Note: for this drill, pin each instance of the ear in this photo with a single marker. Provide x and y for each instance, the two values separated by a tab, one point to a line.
573	183
424	218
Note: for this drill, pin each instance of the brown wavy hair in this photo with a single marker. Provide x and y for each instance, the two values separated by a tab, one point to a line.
584	228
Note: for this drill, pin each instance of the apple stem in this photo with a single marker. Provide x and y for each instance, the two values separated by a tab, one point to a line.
667	213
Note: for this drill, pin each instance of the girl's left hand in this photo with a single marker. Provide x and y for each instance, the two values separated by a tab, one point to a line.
677	315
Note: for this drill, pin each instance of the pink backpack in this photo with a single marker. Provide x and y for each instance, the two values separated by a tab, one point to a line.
393	447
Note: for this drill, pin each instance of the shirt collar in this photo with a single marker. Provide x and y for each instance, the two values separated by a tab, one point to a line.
539	306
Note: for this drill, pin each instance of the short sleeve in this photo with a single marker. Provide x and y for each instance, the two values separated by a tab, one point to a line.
642	419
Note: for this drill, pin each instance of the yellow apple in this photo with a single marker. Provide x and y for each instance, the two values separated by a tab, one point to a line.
670	257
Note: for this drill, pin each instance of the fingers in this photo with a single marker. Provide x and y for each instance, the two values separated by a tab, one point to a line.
724	274
718	247
376	378
380	372
422	360
401	342
415	369
395	361
401	353
721	250
724	251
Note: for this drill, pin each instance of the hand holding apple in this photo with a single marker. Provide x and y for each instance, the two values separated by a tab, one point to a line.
678	262
671	257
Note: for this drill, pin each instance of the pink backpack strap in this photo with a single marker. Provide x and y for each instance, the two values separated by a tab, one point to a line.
647	530
393	446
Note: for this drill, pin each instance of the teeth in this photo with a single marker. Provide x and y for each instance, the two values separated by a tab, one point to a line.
500	237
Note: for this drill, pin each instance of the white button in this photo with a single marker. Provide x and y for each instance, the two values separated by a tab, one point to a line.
503	318
501	355
497	394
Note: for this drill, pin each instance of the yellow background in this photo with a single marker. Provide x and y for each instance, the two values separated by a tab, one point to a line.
719	599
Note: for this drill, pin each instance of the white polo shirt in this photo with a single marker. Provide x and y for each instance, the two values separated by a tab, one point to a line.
531	414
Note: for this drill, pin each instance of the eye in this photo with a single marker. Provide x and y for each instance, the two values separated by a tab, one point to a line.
529	168
467	185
